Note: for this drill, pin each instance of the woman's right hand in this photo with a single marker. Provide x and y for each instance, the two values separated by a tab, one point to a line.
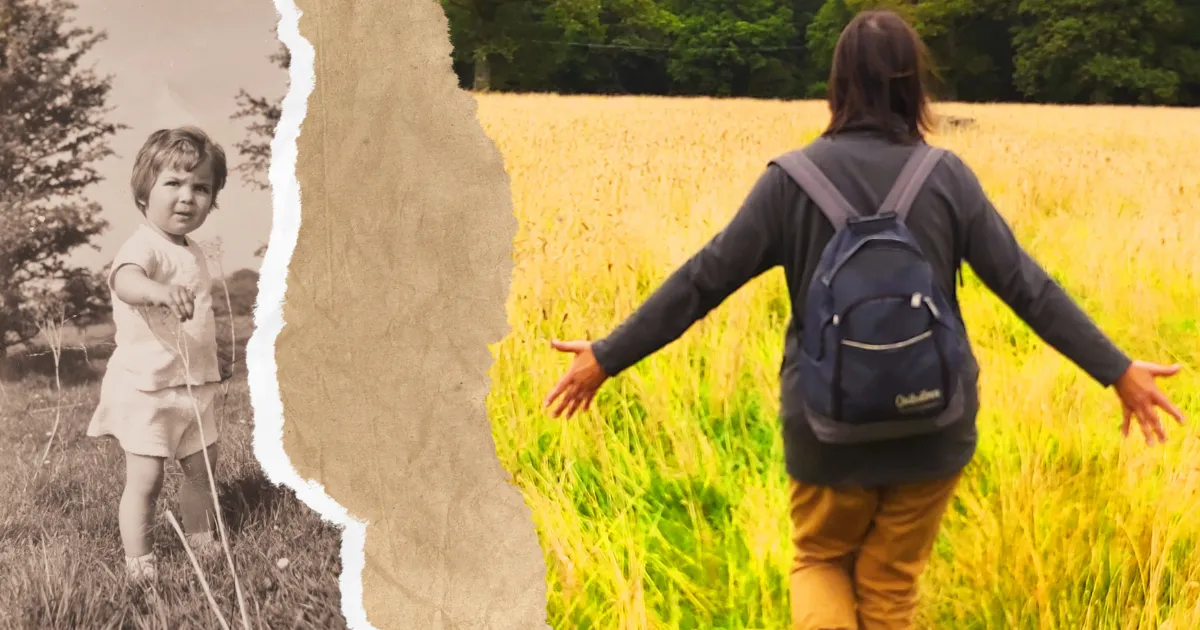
576	389
1140	396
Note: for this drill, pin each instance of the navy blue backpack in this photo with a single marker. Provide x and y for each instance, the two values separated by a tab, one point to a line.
882	353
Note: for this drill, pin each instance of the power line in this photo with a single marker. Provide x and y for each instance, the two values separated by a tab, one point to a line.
665	49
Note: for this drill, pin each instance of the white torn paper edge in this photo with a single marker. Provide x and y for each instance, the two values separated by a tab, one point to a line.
268	321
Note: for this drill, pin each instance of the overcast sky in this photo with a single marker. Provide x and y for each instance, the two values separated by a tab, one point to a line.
173	63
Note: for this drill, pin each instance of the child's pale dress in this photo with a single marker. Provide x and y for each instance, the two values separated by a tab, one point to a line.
144	399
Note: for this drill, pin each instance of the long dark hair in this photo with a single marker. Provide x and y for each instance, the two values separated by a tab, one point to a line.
879	77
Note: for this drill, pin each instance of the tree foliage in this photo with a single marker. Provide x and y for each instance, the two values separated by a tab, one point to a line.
722	48
1063	51
261	114
1096	51
53	130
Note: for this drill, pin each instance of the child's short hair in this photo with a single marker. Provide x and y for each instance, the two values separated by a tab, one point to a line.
182	148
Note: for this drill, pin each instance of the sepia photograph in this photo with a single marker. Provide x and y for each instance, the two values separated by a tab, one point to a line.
134	214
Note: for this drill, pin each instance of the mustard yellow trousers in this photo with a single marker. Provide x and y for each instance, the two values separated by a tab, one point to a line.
859	553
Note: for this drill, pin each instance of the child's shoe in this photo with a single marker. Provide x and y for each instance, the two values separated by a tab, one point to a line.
142	569
203	544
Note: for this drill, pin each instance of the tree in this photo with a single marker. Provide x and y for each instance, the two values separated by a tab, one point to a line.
1097	51
969	41
53	129
263	113
604	47
1182	50
243	292
1076	51
733	49
822	37
484	32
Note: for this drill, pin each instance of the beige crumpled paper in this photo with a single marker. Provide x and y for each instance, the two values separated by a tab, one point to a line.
396	288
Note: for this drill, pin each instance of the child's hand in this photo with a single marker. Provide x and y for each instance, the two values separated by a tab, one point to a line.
178	298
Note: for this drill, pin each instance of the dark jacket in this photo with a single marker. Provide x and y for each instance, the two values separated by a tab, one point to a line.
953	220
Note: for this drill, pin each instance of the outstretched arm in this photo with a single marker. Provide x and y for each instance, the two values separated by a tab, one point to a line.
750	245
1021	283
1017	279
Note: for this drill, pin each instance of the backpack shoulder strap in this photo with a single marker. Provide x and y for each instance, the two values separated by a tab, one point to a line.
818	187
912	177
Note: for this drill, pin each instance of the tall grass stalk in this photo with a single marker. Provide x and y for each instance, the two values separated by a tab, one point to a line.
181	346
51	330
199	572
217	245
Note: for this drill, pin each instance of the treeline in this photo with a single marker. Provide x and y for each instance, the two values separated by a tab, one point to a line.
1054	51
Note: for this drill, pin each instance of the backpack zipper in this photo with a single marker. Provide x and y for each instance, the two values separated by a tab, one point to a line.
915	300
836	320
888	346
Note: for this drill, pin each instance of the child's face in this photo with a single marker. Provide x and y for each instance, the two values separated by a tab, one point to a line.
179	201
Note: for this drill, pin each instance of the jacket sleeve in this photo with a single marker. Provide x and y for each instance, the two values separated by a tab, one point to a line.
747	247
1016	278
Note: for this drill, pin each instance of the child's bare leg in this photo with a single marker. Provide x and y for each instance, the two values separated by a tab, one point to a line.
195	498
143	483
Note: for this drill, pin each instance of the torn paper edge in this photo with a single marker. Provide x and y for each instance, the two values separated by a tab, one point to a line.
268	320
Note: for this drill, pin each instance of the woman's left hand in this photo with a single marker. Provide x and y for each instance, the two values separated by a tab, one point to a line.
576	389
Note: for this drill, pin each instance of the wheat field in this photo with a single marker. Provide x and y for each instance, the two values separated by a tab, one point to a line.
665	506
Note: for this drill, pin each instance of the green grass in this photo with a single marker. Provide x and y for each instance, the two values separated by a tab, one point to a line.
667	502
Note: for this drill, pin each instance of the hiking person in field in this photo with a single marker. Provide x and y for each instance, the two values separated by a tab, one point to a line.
166	340
879	382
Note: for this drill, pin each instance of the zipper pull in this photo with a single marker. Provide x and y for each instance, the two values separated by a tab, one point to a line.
932	308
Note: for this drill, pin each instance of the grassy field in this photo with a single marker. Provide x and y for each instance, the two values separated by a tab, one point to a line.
59	545
665	506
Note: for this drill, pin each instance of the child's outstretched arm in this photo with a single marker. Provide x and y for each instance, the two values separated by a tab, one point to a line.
132	286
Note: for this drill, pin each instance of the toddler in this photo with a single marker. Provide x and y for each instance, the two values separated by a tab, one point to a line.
166	340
